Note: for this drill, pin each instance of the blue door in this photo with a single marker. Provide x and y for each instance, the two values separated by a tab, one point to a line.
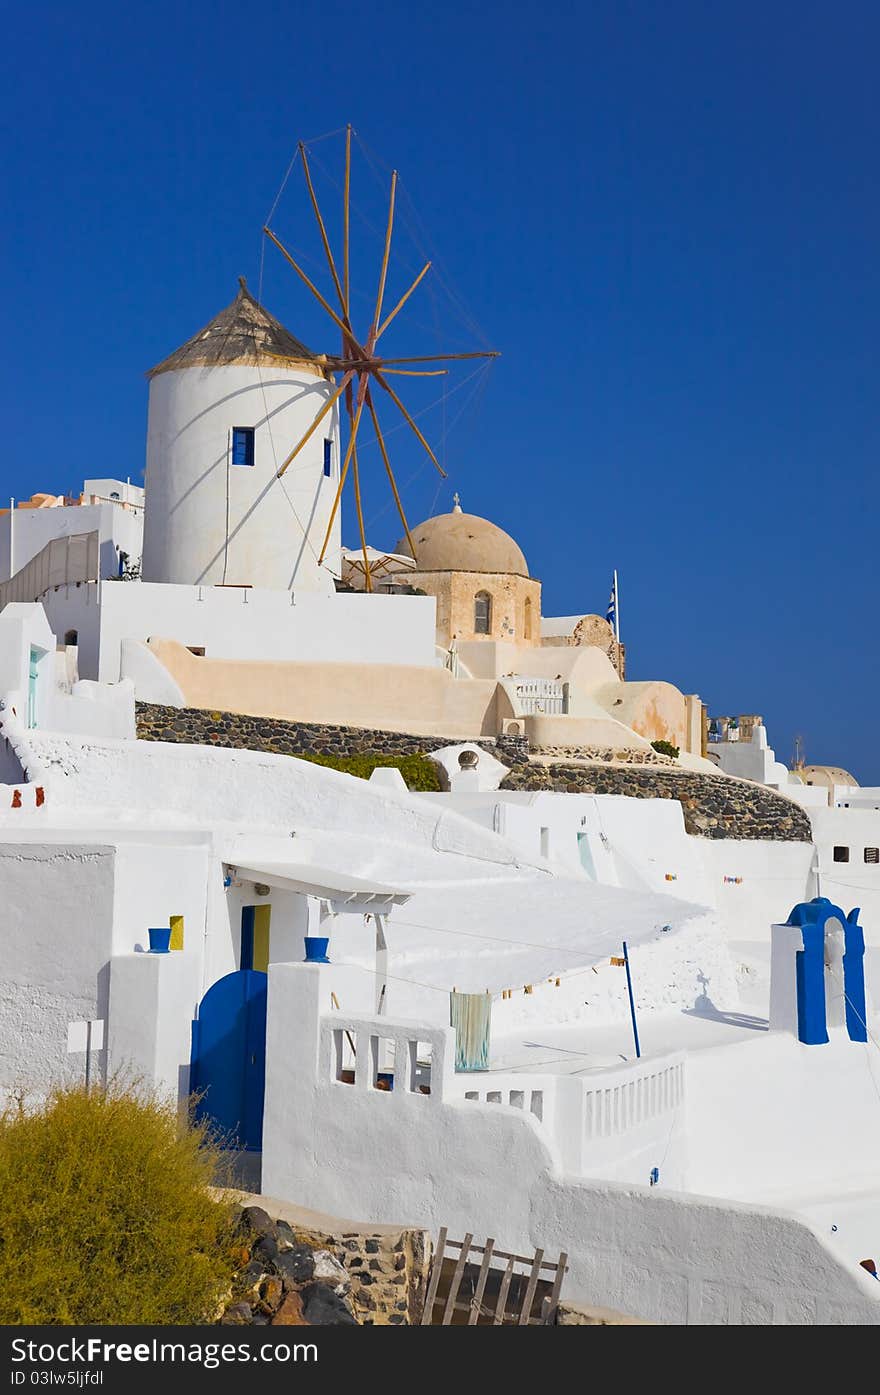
229	1058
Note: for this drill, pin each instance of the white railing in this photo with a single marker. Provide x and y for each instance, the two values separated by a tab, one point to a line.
635	1105
552	1101
522	1096
386	1055
544	695
633	1096
613	1123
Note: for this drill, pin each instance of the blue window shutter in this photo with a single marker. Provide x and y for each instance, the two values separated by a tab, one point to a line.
242	445
328	457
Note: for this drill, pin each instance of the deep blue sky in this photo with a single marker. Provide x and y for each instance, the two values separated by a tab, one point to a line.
666	217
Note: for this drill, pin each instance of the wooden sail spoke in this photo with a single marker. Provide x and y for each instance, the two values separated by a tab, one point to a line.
389	472
343	473
418	372
328	406
360	360
384	272
346	209
403	299
439	358
316	293
368	580
396	400
323	231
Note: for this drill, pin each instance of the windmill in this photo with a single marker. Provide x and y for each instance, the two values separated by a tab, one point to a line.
361	367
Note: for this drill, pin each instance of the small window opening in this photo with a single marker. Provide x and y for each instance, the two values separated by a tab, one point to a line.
243	445
421	1056
382	1062
344	1057
482	613
841	854
197	649
872	854
328	458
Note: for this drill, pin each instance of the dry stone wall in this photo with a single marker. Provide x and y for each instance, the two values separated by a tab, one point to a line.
199	726
292	1276
715	806
620	755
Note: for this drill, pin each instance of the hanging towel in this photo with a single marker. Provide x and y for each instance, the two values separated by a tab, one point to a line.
470	1014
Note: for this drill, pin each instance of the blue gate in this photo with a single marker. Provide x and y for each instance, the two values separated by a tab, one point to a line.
229	1058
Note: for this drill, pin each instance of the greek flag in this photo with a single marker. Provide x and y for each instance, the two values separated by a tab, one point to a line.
611	612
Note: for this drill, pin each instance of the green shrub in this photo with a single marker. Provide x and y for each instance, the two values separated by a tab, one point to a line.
666	748
418	772
105	1213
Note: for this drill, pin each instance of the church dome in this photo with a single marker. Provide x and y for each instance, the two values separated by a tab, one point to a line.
463	542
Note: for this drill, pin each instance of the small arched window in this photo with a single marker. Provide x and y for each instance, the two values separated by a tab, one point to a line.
482	613
71	637
527	618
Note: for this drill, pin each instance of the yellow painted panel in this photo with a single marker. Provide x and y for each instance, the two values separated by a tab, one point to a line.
262	916
176	923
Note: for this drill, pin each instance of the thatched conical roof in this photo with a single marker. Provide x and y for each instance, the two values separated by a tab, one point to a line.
246	333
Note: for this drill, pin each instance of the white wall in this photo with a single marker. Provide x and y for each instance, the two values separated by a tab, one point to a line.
750	760
641	845
856	882
94	709
240	624
772	878
22	628
158	877
57	928
106	488
266	794
32	529
153	1000
857	796
436	1160
772	1120
89	708
210	521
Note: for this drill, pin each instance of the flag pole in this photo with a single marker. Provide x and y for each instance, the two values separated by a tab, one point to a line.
632	1001
616	609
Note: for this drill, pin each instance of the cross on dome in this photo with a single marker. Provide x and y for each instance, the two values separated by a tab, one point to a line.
456	503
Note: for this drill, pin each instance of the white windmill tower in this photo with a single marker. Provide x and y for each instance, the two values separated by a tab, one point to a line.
223	410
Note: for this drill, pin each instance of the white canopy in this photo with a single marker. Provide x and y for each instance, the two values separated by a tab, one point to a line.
344	892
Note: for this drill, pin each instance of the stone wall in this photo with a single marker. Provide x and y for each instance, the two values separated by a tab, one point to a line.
715	806
294	1276
604	754
199	726
594	630
515	612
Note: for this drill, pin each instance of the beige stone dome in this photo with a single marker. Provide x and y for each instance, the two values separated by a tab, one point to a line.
463	542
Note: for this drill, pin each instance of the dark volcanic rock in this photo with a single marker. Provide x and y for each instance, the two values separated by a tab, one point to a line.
296	1266
324	1308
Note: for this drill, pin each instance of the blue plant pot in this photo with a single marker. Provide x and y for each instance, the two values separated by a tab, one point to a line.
160	939
316	949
